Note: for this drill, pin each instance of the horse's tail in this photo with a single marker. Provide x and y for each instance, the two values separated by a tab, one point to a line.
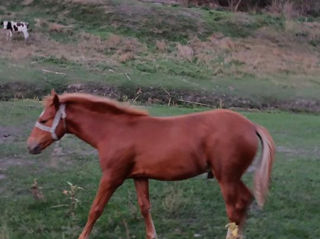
263	172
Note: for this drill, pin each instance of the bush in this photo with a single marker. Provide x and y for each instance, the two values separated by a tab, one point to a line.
302	7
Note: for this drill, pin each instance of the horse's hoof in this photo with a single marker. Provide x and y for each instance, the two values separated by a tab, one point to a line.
233	231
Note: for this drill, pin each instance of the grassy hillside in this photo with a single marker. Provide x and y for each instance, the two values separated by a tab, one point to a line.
162	53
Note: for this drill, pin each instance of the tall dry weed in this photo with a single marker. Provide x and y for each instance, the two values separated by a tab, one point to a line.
72	196
161	45
126	56
173	200
123	48
287	8
289	11
36	191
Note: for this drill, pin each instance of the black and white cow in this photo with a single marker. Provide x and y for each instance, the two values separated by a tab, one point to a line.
12	26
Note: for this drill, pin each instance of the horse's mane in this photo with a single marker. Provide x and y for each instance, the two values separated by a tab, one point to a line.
97	103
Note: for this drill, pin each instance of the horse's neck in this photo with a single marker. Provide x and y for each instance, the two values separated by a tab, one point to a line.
88	125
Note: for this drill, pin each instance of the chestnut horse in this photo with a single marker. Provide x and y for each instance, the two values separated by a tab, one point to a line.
132	144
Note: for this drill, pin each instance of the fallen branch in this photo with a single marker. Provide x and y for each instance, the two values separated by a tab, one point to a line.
54	72
60	205
196	103
237	6
169	95
127	75
139	92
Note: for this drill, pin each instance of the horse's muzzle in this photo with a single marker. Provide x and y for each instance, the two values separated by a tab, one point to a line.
34	147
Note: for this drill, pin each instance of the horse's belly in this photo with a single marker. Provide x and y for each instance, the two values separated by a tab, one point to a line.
169	169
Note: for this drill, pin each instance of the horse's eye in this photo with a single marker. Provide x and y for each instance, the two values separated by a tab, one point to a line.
43	121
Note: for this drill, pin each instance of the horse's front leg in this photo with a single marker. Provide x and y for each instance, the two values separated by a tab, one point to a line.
142	189
107	186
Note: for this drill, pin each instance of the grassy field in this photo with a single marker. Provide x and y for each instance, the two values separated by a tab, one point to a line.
180	209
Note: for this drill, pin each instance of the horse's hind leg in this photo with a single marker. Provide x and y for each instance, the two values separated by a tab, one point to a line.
142	189
107	186
237	199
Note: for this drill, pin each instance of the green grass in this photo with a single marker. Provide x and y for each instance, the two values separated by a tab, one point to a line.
180	209
36	79
161	21
150	22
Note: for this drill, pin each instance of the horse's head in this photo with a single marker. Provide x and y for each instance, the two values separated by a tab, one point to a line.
50	125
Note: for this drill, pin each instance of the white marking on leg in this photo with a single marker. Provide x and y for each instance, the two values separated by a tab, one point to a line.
154	230
25	34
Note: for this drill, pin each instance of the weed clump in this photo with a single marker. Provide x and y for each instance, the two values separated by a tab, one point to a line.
36	191
72	196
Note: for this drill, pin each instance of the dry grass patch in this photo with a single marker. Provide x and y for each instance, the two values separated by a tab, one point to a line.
254	55
127	56
55	27
161	45
263	56
89	41
313	30
51	26
130	45
113	42
203	51
185	52
40	45
208	51
122	48
310	31
224	43
122	44
88	48
285	8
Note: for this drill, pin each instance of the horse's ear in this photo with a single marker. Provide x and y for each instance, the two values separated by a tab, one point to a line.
55	99
53	92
